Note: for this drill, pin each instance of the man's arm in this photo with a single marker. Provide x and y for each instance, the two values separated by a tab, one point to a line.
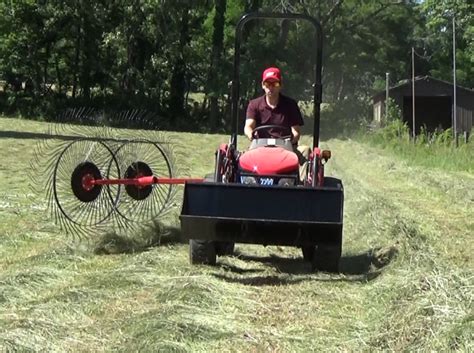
296	132
250	124
296	123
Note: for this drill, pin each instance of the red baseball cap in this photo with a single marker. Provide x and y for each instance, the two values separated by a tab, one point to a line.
272	73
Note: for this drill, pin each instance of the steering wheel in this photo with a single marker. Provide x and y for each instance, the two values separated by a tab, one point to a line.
268	127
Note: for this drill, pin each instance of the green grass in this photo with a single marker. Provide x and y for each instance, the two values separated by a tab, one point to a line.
406	281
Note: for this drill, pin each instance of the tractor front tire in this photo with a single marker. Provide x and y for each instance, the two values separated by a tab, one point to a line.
225	248
326	258
222	248
202	252
308	252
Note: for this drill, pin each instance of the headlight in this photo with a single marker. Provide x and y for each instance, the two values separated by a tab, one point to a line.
248	180
286	182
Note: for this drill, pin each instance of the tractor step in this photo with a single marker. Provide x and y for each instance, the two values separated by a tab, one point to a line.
295	216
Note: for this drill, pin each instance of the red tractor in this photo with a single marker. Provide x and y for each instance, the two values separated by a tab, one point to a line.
112	181
258	197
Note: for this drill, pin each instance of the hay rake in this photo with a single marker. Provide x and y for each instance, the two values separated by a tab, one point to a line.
98	177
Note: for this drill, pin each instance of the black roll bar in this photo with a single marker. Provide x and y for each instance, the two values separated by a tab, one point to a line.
318	67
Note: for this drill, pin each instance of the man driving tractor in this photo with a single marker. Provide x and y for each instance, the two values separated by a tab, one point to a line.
274	108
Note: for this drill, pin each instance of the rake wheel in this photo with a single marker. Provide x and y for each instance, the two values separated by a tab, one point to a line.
143	158
77	201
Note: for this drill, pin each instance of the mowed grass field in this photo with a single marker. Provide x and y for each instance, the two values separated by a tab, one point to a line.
406	281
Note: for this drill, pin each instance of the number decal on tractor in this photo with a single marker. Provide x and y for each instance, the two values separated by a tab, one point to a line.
266	181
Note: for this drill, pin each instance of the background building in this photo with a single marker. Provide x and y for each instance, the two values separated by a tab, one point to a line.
433	104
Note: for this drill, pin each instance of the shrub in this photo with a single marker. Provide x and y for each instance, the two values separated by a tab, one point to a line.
436	149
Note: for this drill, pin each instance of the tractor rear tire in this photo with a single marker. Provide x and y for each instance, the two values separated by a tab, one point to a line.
326	258
218	166
202	252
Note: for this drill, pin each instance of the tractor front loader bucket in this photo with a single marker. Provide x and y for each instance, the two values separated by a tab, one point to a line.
295	216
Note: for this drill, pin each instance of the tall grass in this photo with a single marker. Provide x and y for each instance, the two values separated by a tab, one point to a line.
430	149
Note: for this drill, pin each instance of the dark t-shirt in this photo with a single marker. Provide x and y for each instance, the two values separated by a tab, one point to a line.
286	113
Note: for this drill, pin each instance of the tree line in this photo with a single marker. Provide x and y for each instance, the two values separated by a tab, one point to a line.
175	58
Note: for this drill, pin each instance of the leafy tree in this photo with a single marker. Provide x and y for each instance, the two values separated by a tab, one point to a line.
216	58
153	53
436	36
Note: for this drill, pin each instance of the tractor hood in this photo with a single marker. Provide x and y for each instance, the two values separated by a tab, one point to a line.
269	160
